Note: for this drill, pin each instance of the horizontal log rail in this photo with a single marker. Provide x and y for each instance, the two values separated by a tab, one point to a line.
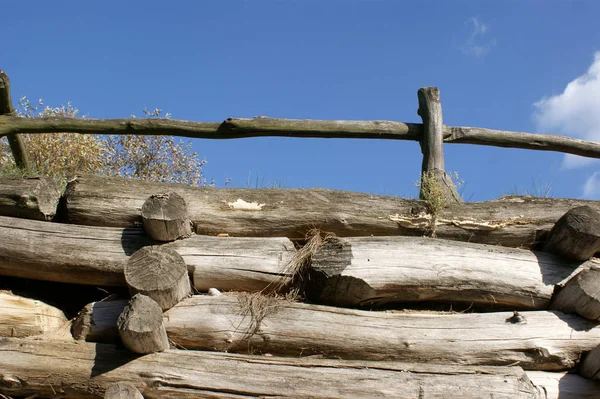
235	128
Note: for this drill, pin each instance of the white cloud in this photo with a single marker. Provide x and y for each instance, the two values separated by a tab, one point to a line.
591	188
575	112
477	44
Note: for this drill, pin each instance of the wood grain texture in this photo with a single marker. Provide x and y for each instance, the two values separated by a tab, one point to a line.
576	235
539	340
24	317
513	221
268	127
581	292
590	365
86	370
141	327
97	255
165	217
122	390
97	321
28	197
374	271
6	108
160	273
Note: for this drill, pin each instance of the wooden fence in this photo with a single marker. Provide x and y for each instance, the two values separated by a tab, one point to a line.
431	134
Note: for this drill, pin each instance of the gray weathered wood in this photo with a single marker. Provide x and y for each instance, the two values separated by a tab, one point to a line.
122	390
513	222
24	317
160	273
6	108
539	340
264	127
430	110
581	292
165	217
97	321
86	370
97	255
590	365
554	385
141	327
28	197
372	271
576	235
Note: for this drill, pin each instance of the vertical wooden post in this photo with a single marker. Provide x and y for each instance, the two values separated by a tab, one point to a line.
6	108
430	110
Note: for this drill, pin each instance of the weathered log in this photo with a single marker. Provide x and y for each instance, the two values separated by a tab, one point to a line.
6	108
28	197
372	271
514	222
86	370
165	217
24	317
122	390
97	255
539	340
274	127
590	365
576	235
432	170
563	385
160	273
141	327
97	321
581	292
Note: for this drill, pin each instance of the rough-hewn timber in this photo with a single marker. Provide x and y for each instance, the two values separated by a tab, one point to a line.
6	108
371	271
122	390
97	255
29	198
513	221
538	340
24	317
160	273
86	370
576	235
581	292
590	365
165	217
141	327
264	127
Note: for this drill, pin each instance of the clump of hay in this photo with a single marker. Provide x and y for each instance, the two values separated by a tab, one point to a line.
298	265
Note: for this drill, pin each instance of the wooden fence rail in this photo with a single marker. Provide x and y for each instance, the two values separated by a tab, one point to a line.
431	134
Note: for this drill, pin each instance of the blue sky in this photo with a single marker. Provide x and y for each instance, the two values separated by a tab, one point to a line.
510	65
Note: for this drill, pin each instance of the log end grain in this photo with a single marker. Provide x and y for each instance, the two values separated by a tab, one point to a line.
160	273
165	217
141	326
581	293
576	235
122	390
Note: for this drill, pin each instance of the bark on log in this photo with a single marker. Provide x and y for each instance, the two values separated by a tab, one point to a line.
165	217
24	317
86	370
514	222
540	340
430	110
373	271
28	197
590	365
581	292
122	390
6	108
97	255
564	385
141	326
160	273
576	235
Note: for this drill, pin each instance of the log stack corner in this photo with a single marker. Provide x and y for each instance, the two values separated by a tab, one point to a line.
203	292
